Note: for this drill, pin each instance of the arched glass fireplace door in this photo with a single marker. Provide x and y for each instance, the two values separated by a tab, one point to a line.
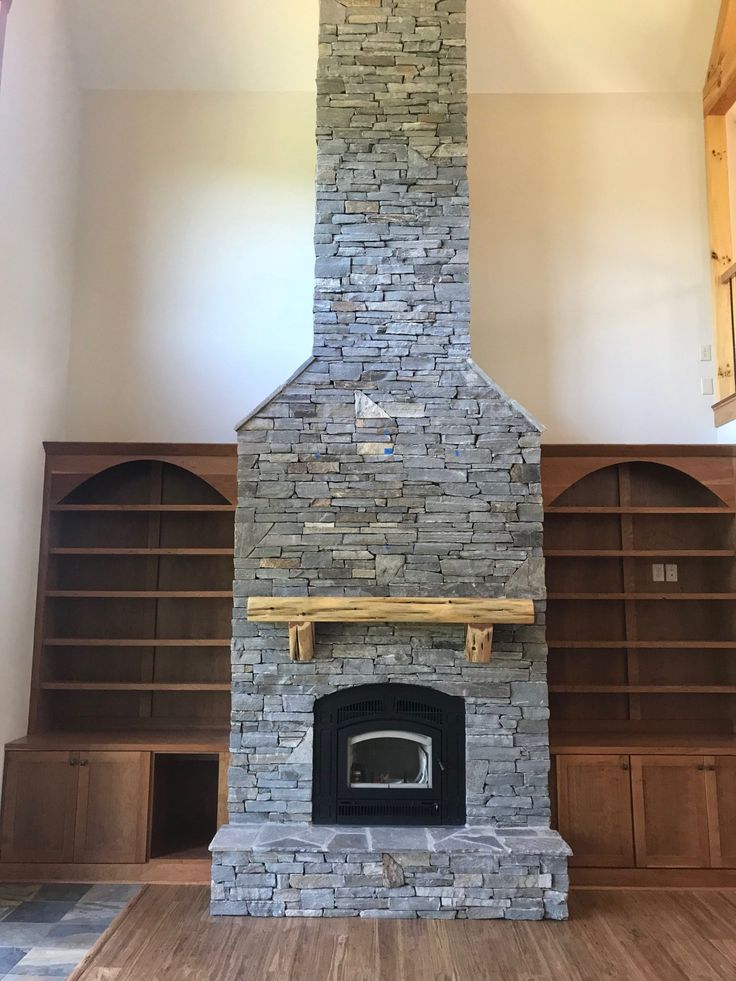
389	754
390	759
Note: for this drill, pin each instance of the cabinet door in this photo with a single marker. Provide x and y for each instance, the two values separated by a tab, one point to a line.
112	807
670	812
594	810
39	807
721	783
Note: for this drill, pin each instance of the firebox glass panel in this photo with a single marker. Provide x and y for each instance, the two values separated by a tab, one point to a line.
390	759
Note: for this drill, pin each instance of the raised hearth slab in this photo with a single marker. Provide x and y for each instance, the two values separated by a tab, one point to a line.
474	872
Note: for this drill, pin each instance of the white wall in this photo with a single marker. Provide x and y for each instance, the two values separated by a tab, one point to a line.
195	261
590	262
38	127
195	269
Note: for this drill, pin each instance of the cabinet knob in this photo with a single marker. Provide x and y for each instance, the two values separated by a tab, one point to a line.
625	765
84	762
73	762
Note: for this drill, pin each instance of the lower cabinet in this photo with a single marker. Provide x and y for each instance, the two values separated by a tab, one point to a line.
654	811
670	812
594	810
88	807
722	798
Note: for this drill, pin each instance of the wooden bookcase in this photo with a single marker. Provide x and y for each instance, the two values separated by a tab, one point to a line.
642	672
130	696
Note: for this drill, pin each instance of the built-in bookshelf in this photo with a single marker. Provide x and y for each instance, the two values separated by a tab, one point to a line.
130	693
640	546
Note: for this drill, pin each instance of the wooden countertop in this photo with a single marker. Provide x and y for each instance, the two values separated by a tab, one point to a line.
179	741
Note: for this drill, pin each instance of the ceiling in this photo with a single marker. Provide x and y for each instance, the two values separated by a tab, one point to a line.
522	46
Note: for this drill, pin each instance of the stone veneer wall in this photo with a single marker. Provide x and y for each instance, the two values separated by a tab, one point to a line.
389	465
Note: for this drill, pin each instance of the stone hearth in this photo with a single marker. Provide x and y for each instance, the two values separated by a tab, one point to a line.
390	465
398	873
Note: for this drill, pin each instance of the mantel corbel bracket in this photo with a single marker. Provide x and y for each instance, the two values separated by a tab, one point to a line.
479	642
301	641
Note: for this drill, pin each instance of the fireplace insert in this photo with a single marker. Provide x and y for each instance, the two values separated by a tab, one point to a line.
389	754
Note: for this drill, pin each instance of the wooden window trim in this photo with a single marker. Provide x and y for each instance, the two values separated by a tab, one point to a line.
719	96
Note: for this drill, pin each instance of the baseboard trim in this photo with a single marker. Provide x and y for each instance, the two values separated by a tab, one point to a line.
653	878
195	872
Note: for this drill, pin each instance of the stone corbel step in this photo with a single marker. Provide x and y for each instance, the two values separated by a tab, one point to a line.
302	612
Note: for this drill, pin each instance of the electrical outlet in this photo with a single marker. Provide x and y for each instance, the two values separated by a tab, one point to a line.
706	386
657	572
671	573
706	353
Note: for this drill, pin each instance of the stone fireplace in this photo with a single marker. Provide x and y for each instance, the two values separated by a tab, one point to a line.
389	774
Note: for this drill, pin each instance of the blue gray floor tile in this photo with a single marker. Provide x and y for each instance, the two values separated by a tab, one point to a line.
46	930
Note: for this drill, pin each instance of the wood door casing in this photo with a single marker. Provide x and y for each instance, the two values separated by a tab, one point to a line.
671	827
594	810
720	775
112	807
39	807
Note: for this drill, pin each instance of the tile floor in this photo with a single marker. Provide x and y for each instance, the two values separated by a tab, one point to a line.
45	931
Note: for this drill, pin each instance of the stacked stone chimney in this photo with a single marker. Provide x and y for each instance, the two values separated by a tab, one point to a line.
390	465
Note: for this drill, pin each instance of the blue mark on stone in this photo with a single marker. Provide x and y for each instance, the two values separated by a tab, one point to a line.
317	456
388	548
457	452
388	451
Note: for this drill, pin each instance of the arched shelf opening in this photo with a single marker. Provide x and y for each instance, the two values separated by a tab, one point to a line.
641	578
138	481
638	484
138	602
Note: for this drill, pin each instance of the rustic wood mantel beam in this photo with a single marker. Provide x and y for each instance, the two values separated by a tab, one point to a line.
388	609
301	613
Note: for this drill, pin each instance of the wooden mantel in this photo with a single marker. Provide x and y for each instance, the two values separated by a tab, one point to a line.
302	612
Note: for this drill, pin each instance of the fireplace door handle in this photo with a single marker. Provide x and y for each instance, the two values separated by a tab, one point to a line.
442	765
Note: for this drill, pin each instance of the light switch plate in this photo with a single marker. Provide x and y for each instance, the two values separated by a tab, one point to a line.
706	386
671	574
657	572
706	352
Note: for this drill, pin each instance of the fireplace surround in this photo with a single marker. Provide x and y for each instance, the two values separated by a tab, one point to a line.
389	465
389	755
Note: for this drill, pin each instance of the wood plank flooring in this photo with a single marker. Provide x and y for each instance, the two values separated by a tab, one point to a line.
624	935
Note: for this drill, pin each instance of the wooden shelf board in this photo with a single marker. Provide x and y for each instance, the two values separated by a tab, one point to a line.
617	645
138	594
645	689
133	642
641	510
154	740
143	551
695	743
131	686
391	609
642	597
149	508
612	553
